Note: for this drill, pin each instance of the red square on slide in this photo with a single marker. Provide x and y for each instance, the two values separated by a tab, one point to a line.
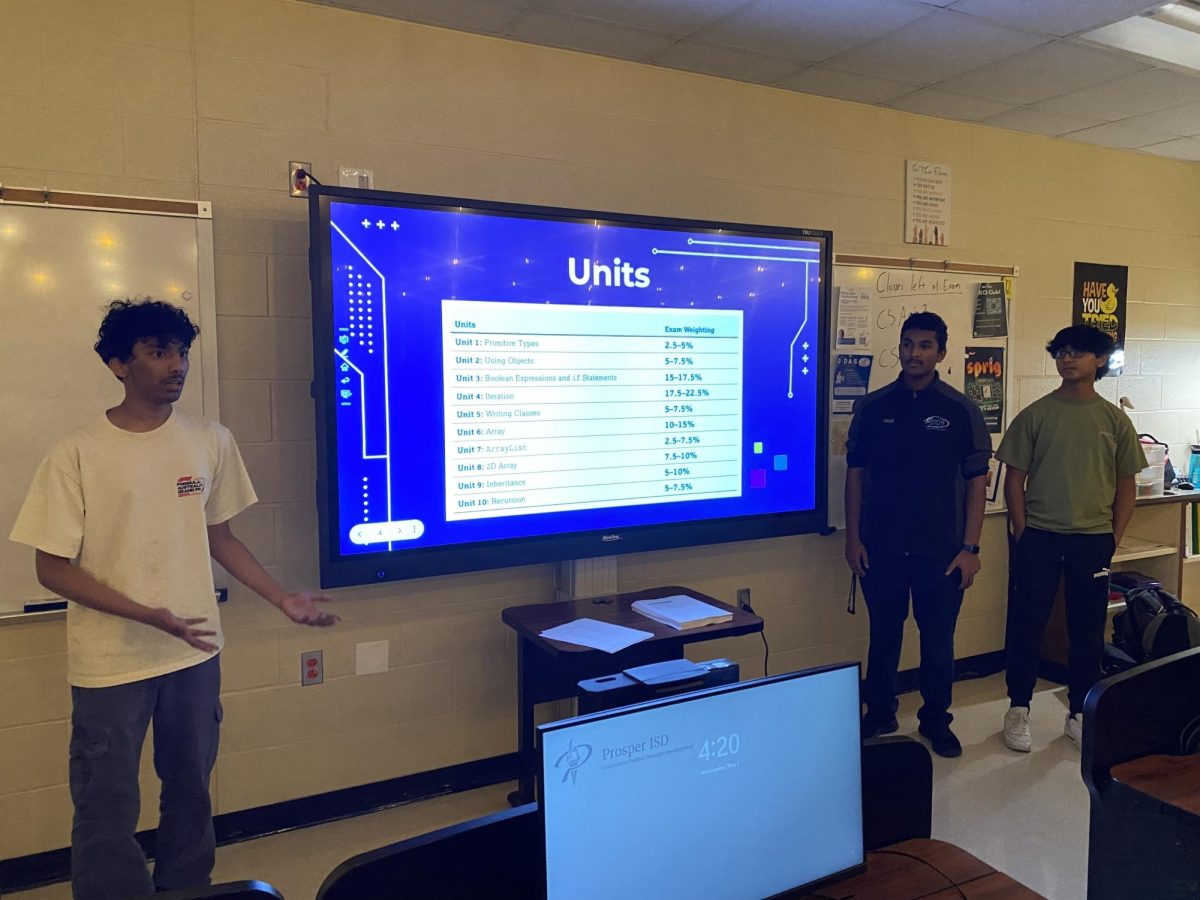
758	478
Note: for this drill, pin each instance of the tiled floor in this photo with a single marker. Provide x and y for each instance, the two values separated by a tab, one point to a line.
1025	814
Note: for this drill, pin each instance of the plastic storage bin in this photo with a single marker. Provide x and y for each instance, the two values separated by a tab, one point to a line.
1150	481
1156	455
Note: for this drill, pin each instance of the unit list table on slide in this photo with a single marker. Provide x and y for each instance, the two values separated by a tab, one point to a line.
552	408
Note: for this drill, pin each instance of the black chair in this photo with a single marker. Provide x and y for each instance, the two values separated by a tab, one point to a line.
1138	845
897	791
498	855
501	855
230	890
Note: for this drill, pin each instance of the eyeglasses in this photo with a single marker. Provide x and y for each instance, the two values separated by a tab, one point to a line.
1068	353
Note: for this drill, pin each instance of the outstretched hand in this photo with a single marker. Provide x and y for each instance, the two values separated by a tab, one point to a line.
304	608
968	566
184	629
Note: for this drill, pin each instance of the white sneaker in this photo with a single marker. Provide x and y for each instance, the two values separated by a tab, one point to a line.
1073	728
1016	729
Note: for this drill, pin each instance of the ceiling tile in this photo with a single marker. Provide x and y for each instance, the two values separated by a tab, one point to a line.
1182	148
811	32
1024	119
934	102
936	47
726	62
1183	121
1131	95
676	18
588	35
1043	72
846	85
1058	17
1116	135
483	16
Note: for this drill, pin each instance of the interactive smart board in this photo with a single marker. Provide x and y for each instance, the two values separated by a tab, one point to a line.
499	385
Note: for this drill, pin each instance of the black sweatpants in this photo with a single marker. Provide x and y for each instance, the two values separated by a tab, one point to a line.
936	600
1040	557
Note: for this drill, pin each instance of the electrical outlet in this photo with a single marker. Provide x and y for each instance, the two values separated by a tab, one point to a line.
312	667
298	178
743	598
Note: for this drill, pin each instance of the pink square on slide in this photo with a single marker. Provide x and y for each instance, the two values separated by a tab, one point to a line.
758	478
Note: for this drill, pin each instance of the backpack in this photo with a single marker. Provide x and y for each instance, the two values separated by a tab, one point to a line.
1155	624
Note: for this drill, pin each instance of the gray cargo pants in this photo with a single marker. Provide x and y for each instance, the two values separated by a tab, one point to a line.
108	728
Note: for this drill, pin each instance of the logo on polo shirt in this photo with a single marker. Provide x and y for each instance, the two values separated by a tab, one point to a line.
936	423
188	485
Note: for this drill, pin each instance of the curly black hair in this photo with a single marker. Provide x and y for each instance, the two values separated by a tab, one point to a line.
128	321
1087	339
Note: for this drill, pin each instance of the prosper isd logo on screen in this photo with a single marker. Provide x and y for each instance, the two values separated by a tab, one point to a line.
573	759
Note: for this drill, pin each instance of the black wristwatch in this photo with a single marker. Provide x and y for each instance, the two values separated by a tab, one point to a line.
970	548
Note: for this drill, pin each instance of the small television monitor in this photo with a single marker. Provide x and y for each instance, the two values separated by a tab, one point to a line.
735	793
500	385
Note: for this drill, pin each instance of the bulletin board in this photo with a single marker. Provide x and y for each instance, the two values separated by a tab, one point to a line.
63	258
880	293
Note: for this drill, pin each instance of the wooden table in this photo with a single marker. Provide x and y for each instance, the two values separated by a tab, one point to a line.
551	670
927	869
1171	780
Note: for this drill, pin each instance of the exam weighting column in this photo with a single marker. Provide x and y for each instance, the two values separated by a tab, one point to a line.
552	408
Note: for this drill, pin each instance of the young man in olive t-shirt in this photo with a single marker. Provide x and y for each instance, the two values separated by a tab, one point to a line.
1071	457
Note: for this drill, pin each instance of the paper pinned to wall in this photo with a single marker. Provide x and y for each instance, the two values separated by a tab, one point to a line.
854	319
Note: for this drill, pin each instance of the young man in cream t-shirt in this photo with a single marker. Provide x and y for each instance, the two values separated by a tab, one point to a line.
124	514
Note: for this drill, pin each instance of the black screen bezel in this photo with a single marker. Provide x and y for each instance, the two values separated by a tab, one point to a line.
338	570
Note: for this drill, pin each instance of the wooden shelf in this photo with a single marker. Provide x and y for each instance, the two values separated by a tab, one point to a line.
1188	560
1135	548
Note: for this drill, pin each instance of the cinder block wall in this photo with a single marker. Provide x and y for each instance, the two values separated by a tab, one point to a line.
209	99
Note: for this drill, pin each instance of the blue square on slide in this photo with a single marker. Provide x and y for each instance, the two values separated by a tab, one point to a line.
780	462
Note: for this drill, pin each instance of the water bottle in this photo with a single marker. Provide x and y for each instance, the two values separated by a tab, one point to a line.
1194	466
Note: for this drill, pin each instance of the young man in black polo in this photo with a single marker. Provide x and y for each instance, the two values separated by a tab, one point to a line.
1072	458
917	461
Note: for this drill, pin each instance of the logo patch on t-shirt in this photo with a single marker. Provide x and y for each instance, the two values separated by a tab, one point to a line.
187	485
936	423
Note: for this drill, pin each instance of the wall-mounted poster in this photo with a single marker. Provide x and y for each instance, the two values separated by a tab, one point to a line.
850	380
926	203
853	318
984	379
1099	300
991	319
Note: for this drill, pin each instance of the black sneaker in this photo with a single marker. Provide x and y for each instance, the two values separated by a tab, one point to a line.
873	725
941	739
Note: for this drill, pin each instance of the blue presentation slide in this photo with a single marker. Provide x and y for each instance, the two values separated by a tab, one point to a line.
505	376
740	795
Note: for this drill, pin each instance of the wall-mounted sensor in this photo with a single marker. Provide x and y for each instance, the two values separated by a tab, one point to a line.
354	177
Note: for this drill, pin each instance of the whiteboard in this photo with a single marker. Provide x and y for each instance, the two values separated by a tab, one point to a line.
59	267
892	294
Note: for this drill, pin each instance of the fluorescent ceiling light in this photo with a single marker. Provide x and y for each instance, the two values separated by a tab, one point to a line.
1183	14
1169	34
